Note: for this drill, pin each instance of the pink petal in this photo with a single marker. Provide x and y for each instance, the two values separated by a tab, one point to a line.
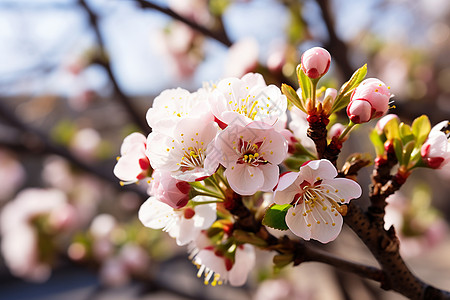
244	179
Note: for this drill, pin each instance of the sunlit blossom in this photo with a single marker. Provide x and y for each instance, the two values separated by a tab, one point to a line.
316	196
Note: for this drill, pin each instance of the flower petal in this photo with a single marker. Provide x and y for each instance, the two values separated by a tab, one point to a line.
155	214
244	179
346	189
297	223
270	173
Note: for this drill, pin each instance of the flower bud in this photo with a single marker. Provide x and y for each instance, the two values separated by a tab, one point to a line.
169	190
336	131
315	62
376	93
435	151
359	111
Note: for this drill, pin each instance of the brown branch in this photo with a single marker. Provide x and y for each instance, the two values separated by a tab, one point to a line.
221	37
34	141
126	102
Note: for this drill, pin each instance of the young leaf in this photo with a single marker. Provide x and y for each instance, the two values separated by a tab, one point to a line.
407	150
398	147
406	133
292	96
421	127
391	130
343	97
275	216
377	142
304	82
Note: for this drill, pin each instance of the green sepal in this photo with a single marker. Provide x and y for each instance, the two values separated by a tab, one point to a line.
248	237
275	216
292	96
343	97
304	82
377	142
421	127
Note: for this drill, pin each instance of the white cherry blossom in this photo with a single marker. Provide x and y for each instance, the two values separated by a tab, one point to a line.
183	224
316	196
173	105
184	152
251	155
436	149
246	100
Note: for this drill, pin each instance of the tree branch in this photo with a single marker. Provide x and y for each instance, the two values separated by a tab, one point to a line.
137	117
221	37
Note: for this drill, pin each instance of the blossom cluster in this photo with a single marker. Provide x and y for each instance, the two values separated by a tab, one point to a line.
232	140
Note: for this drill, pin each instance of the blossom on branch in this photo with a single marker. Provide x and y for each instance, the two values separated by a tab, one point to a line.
251	155
436	149
316	196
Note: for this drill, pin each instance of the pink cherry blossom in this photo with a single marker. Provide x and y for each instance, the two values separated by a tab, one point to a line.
359	111
316	62
219	267
336	130
183	224
169	190
173	105
184	152
133	164
315	193
376	93
251	155
436	149
246	100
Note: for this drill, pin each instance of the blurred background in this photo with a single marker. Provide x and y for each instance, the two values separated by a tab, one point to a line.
77	76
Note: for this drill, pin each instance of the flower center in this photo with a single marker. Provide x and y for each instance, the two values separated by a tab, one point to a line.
193	157
249	153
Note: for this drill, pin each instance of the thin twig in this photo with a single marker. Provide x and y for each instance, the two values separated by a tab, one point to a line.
137	117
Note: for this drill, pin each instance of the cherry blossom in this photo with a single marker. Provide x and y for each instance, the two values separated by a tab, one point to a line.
436	149
173	105
247	99
250	155
133	164
315	62
220	266
299	126
184	153
183	224
316	196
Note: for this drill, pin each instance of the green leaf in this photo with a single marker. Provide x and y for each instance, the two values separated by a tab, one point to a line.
343	97
304	82
406	133
398	147
377	142
421	127
292	96
391	130
407	150
275	216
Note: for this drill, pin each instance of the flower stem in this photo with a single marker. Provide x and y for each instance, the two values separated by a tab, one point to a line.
347	130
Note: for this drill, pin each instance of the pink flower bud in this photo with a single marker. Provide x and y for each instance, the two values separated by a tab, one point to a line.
315	62
169	190
435	151
376	93
359	111
336	131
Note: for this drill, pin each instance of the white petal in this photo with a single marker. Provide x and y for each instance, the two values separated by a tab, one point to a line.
346	189
244	179
297	223
270	173
155	214
243	264
329	227
322	169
